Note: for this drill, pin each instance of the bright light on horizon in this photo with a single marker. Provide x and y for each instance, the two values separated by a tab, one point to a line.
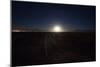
57	28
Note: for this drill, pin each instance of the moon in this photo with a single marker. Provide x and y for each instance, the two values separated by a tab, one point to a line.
57	28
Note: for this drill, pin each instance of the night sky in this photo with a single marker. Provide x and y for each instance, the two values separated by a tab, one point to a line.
44	15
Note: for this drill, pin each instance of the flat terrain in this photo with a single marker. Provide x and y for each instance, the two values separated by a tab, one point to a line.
35	48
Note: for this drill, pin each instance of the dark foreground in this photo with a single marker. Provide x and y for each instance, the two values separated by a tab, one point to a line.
35	48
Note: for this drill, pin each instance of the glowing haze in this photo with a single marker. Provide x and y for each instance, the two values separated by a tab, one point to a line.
57	28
